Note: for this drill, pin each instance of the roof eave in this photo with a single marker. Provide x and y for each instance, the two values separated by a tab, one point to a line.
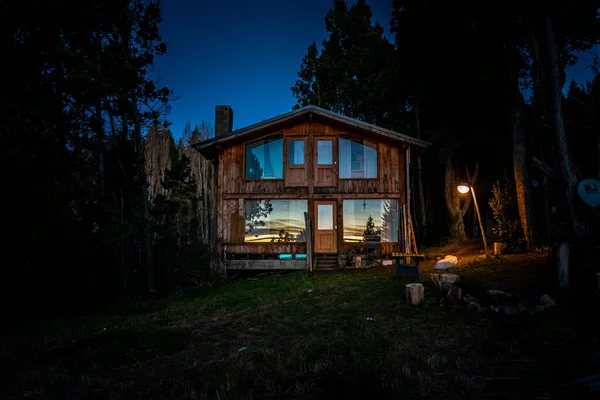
205	147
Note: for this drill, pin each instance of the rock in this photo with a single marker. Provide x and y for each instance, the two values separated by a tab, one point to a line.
521	307
495	308
474	306
469	299
508	310
494	292
546	301
536	309
446	262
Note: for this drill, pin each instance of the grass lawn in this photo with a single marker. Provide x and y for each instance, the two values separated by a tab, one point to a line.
301	344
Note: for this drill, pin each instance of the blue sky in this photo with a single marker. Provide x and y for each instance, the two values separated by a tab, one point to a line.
245	54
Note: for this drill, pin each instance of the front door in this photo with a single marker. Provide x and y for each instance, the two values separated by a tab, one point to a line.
325	227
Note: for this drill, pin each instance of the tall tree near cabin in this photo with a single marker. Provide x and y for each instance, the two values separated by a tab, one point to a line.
556	37
520	164
352	74
457	211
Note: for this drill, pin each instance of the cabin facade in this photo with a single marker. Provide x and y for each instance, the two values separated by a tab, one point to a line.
304	190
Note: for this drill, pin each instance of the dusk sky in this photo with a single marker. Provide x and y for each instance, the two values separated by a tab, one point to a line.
246	54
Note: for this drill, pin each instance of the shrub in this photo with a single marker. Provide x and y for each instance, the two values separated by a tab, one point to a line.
505	213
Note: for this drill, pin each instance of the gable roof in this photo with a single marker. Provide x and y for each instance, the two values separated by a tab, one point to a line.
208	147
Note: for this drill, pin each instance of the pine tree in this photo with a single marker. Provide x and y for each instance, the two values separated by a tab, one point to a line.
370	227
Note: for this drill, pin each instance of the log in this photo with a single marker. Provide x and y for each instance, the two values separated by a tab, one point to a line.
415	293
562	264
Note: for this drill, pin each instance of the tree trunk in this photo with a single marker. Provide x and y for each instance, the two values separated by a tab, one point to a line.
562	264
455	211
578	225
521	172
147	258
423	216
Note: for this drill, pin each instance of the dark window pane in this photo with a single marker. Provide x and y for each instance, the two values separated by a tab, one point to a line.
264	159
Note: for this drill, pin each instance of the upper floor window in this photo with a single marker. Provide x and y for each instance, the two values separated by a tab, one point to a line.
297	152
264	158
358	159
325	152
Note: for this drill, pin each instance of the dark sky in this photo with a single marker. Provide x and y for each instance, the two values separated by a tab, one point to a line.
246	54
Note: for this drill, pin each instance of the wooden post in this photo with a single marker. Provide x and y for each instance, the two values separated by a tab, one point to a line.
309	265
480	223
407	200
562	263
415	293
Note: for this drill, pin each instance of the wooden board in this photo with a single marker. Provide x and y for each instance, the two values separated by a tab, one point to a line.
295	175
266	264
325	174
390	171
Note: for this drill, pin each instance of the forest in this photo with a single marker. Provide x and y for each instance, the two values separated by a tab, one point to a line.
103	203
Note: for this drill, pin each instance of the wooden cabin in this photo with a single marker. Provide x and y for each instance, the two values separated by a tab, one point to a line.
307	190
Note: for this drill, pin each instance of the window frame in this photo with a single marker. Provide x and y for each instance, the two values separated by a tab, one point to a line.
256	243
289	140
245	144
398	216
356	138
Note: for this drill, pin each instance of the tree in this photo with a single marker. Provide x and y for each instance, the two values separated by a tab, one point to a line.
352	74
389	221
503	207
370	228
72	121
307	89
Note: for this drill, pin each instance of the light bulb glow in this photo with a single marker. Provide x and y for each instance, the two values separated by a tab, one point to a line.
463	188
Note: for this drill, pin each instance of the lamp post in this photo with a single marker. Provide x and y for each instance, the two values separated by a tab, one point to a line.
464	188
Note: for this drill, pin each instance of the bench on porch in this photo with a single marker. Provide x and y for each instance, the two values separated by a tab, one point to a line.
405	267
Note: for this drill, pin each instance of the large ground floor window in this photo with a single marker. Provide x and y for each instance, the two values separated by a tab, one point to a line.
275	220
371	217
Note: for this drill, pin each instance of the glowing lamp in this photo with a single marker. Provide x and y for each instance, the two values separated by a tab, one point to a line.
463	187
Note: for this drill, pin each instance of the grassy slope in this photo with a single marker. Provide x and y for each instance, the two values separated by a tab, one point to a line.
303	345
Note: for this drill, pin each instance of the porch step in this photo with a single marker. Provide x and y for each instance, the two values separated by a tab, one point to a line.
328	261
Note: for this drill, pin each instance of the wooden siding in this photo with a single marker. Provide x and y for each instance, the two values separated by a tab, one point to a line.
299	183
266	248
390	171
266	264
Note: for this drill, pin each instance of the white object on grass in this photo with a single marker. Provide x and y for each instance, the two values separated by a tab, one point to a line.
309	291
242	349
370	319
446	262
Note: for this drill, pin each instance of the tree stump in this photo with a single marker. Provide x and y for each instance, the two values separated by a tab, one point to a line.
415	293
500	248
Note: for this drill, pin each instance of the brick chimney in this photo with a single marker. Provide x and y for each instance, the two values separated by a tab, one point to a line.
223	120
